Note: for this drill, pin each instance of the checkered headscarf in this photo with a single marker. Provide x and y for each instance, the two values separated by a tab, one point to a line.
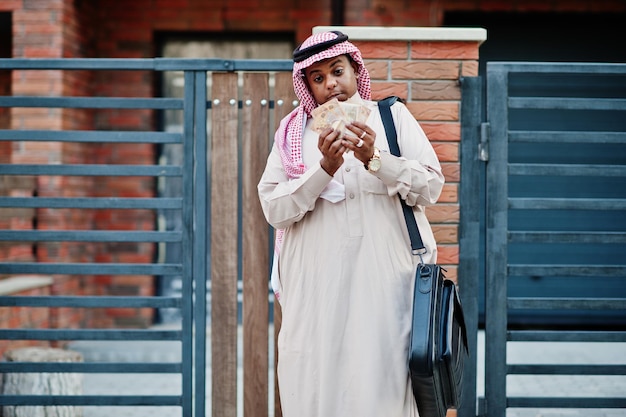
289	133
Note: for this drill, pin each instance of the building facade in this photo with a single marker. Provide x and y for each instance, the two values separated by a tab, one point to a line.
145	29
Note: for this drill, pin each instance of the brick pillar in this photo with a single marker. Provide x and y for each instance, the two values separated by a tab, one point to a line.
423	66
67	29
54	29
38	33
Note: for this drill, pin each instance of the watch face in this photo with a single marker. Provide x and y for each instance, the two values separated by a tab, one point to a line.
374	165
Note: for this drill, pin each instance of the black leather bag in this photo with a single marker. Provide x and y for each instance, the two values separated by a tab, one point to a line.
438	344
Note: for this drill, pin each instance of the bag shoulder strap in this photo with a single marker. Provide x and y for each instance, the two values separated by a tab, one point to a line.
384	106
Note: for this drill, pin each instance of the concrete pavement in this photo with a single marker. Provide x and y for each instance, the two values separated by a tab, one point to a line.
517	353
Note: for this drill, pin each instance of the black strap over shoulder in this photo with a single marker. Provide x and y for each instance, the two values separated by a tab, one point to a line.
384	106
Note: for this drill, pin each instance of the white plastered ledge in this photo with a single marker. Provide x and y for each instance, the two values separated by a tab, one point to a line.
14	285
396	33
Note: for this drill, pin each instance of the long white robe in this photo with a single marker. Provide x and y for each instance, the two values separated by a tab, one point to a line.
346	271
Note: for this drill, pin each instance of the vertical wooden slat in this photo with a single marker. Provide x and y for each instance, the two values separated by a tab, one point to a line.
283	98
224	183
255	141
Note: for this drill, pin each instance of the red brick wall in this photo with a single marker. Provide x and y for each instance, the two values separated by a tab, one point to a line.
53	29
6	183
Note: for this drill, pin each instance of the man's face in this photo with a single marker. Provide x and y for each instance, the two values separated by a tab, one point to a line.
332	78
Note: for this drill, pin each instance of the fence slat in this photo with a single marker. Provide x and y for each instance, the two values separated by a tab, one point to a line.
224	180
255	139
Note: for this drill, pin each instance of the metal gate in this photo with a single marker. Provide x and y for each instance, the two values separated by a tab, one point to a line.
242	107
554	143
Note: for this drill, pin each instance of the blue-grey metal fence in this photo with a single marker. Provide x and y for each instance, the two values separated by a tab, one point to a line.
191	204
469	232
555	141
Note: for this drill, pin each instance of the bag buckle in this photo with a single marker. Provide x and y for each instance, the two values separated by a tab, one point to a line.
419	252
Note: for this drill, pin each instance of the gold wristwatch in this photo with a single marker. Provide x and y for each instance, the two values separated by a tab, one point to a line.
373	165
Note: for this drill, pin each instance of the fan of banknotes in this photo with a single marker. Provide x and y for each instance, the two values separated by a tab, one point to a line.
337	114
